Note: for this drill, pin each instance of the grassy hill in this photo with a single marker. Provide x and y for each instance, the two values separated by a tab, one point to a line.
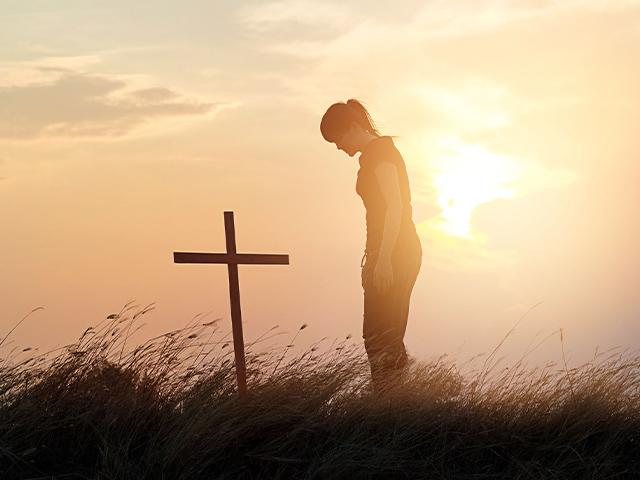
167	409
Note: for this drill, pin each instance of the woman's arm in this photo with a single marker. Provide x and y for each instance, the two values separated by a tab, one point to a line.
387	176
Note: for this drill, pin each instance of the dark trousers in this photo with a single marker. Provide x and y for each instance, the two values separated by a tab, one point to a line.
386	313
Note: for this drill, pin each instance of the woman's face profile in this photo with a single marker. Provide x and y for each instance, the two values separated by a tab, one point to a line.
345	141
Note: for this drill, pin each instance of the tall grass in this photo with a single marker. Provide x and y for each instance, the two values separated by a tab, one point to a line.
168	409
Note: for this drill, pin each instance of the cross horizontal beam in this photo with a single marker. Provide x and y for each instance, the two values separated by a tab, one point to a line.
231	258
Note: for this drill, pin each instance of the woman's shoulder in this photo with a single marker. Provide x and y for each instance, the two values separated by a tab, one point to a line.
380	148
376	143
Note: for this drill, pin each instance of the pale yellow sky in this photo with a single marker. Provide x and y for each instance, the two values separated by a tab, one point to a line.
127	129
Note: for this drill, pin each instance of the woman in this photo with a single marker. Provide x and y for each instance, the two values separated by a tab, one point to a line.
393	253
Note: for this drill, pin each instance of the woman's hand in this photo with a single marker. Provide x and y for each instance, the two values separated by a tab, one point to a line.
383	274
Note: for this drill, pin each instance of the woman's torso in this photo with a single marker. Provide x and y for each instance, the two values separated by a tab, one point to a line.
380	150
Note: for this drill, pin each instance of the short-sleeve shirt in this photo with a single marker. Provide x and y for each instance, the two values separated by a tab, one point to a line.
382	149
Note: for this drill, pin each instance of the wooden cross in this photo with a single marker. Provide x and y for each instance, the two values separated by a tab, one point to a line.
232	259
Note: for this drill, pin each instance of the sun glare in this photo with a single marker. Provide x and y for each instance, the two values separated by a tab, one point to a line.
469	176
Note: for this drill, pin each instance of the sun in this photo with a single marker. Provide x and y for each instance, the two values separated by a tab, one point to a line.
468	176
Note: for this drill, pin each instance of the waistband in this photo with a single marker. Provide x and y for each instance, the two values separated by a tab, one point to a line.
374	252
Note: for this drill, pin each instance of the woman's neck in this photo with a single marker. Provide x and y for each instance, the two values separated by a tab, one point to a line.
367	138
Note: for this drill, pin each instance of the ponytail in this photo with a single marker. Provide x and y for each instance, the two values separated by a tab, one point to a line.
363	117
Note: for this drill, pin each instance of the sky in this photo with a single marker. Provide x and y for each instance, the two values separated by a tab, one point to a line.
127	129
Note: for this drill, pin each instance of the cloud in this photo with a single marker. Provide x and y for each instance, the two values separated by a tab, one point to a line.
405	54
61	102
405	26
449	19
434	18
44	70
154	94
438	18
273	15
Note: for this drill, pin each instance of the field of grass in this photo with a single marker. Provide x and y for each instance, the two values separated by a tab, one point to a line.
167	409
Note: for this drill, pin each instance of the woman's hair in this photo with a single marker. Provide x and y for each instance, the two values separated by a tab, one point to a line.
338	117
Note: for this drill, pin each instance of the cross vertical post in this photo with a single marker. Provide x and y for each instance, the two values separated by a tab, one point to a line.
236	314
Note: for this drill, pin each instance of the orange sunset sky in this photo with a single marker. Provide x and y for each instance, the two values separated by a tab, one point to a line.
127	128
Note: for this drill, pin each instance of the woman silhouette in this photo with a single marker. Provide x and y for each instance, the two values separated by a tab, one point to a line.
393	254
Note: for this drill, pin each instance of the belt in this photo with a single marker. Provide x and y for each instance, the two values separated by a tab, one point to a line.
371	252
